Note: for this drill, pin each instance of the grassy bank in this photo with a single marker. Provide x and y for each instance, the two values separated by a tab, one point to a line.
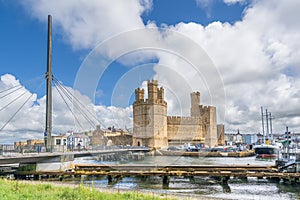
11	190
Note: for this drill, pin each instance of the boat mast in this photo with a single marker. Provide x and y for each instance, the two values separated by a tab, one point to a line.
49	77
271	129
263	126
267	124
287	144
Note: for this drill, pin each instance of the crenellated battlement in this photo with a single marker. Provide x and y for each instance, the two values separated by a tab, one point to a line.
156	101
139	94
161	94
155	82
206	109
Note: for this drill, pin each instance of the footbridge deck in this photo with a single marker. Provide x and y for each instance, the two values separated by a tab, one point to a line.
43	157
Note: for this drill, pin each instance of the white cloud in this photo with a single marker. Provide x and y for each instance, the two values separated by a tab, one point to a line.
253	56
29	122
230	2
86	24
205	5
257	57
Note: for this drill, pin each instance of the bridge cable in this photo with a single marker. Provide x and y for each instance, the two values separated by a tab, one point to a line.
20	87
68	107
16	112
4	107
89	121
78	102
61	88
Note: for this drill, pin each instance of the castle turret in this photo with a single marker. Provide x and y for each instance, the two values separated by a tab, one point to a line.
139	94
152	90
195	104
161	94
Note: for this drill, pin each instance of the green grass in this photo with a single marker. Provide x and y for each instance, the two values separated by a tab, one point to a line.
11	190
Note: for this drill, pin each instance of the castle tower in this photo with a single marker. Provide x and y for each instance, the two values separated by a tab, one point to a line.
150	117
209	120
211	137
195	104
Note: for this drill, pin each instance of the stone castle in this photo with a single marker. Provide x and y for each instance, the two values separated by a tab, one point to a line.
153	128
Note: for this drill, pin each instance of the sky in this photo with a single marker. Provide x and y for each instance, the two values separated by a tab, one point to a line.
240	54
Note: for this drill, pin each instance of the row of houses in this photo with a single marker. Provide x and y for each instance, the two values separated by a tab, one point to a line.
71	141
242	139
256	138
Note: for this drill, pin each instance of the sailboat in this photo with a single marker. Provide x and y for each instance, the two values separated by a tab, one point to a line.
267	149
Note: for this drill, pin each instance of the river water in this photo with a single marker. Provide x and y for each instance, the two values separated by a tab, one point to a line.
202	187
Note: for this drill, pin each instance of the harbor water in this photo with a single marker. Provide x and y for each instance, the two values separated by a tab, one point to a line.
201	187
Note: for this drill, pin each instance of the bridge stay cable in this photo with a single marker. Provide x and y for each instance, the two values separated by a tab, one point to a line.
19	86
63	98
80	110
77	101
61	88
16	112
5	90
70	99
18	97
86	118
5	95
4	107
84	111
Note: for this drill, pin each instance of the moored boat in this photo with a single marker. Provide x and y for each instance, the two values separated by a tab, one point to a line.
266	151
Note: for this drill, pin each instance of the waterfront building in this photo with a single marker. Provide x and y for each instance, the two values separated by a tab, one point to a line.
19	146
153	128
242	138
110	136
31	145
81	140
59	142
70	141
7	148
250	138
98	138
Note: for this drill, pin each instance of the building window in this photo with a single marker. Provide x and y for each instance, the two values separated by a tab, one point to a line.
57	141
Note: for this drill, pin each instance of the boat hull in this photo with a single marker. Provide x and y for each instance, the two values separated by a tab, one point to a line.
266	151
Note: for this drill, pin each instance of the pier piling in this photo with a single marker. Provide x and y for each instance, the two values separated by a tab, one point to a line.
166	181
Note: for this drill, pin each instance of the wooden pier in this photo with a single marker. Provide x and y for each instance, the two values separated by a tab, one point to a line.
116	172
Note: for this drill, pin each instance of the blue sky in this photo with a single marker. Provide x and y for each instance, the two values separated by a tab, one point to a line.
253	48
172	12
24	47
23	40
